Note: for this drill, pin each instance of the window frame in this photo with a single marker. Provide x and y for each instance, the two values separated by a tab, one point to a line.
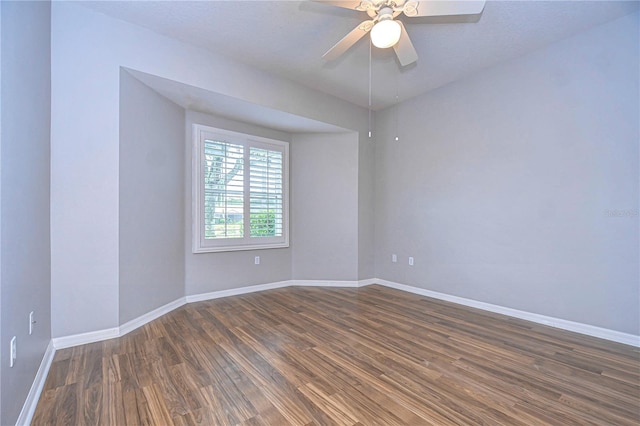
200	244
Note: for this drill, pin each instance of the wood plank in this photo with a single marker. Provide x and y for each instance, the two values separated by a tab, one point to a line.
320	356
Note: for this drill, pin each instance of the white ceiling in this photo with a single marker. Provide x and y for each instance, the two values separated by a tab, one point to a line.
288	38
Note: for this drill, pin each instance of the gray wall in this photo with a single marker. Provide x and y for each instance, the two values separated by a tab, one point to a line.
324	208
151	264
25	271
366	194
1	339
500	184
207	272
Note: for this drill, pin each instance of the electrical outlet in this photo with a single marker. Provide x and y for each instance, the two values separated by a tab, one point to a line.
256	260
411	261
32	322
14	352
394	258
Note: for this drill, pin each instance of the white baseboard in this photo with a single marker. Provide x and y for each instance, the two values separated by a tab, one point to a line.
325	283
589	330
237	291
110	333
129	326
85	338
370	281
278	284
29	407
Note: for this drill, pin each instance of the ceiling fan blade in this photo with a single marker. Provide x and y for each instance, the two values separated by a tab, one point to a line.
404	48
347	4
443	8
349	40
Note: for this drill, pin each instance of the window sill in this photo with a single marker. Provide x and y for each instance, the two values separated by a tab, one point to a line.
198	250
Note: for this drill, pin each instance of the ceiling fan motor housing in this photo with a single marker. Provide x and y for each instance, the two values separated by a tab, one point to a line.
385	13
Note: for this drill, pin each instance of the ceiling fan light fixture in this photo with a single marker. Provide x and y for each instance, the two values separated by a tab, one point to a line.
385	33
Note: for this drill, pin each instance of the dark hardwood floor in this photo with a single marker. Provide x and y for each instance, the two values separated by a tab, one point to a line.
368	356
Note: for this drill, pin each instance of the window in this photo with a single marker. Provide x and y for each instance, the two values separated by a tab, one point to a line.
240	191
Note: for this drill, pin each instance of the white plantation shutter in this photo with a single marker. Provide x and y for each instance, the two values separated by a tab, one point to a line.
240	198
223	190
265	192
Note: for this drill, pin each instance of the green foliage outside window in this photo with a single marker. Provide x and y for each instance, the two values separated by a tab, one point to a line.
263	224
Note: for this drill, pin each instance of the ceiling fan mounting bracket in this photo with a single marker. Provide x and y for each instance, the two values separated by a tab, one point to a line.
373	8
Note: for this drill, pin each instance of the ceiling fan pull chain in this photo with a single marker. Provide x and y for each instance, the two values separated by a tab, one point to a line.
370	88
395	107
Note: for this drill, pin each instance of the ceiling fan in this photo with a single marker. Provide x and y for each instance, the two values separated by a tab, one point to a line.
389	32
